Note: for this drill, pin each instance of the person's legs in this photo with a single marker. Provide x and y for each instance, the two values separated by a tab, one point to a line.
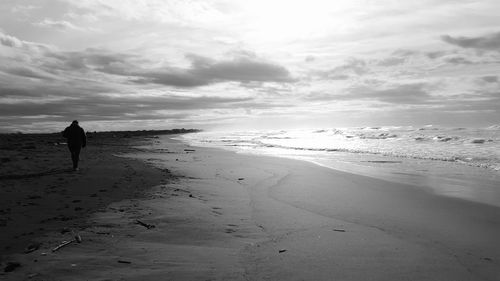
75	155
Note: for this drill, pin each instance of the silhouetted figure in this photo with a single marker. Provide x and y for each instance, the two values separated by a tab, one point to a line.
76	141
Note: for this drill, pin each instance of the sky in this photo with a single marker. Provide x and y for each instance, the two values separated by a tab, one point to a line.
238	64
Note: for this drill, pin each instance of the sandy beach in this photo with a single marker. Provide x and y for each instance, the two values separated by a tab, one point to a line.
149	212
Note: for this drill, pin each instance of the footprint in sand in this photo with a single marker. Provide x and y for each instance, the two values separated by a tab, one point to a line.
231	228
215	211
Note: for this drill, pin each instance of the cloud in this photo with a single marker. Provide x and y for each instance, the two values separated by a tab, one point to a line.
490	79
435	54
391	61
92	59
356	66
10	41
14	42
89	17
106	107
59	24
401	94
310	58
405	94
404	53
487	42
98	84
32	90
338	77
352	67
82	89
26	72
243	70
177	12
321	96
458	60
203	71
17	92
23	8
176	78
243	67
485	101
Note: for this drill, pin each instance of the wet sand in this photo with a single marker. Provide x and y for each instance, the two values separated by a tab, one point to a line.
219	215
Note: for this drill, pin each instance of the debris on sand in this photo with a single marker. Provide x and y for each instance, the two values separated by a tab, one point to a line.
77	239
32	247
63	244
146	225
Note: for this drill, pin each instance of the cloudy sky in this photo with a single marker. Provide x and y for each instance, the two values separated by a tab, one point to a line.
232	64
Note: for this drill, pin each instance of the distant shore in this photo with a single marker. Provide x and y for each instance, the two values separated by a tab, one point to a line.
192	213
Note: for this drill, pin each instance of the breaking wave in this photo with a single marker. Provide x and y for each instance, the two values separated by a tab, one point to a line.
475	147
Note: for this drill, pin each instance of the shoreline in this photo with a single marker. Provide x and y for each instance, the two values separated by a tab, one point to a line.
382	205
451	179
229	216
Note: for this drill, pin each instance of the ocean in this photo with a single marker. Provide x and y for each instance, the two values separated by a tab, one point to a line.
458	162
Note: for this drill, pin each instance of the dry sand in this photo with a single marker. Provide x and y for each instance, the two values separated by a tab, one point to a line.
219	215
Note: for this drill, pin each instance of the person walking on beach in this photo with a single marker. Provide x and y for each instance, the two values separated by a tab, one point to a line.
76	141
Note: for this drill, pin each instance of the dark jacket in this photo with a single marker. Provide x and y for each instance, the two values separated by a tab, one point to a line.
75	135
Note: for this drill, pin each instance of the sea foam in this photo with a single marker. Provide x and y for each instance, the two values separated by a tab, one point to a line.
475	147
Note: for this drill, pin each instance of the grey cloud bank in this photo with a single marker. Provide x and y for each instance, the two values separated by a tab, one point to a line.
57	85
205	72
486	42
